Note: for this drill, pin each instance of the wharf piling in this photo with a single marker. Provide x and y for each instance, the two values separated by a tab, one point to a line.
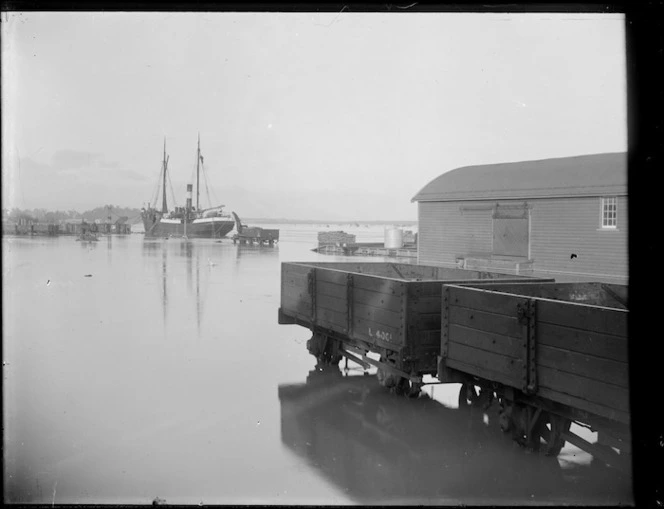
34	228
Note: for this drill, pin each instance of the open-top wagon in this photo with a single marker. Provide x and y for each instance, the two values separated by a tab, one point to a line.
553	354
392	310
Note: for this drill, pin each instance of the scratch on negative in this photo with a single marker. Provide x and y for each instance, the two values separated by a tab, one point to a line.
54	486
335	18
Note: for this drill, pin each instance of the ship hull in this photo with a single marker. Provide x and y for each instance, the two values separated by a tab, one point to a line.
208	228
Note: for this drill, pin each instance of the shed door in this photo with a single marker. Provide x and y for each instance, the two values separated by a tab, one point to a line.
510	231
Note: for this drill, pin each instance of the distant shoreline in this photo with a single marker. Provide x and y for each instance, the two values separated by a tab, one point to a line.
324	221
132	217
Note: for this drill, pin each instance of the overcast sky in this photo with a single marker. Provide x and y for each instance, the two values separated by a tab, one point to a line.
306	115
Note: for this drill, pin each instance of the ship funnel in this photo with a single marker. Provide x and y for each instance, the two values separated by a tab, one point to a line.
189	190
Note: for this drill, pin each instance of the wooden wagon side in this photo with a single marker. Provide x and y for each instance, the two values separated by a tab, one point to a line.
349	311
559	349
392	310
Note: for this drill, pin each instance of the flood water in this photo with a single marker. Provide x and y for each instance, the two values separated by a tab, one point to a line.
138	368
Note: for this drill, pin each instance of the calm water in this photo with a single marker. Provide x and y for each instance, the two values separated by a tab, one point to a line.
136	369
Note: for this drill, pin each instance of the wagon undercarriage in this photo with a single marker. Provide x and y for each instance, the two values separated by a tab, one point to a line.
543	426
330	350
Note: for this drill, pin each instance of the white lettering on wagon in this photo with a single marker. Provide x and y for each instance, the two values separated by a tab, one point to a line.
379	334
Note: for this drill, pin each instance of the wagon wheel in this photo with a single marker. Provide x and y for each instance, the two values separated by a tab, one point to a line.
556	442
537	429
505	417
328	358
408	388
380	376
313	346
321	347
414	389
527	425
399	388
517	423
385	378
485	398
469	395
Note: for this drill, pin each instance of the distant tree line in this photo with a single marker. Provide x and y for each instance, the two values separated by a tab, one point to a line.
102	214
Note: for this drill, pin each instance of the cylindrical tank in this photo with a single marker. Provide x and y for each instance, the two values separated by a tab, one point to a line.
393	238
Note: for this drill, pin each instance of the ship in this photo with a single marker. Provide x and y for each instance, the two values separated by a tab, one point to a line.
187	221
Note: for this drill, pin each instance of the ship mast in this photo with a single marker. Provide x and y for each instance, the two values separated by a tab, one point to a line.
164	205
198	164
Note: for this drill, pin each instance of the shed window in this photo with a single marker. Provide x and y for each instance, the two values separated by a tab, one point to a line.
609	212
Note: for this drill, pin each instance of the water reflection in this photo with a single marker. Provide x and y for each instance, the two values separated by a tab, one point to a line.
382	449
191	252
89	245
146	420
152	246
109	249
193	278
249	251
164	283
186	250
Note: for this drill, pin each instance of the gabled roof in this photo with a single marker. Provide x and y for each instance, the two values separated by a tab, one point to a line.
588	175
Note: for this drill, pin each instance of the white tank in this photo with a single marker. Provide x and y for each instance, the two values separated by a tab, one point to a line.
393	238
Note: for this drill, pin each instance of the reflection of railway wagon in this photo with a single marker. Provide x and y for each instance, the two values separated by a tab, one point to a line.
550	353
382	449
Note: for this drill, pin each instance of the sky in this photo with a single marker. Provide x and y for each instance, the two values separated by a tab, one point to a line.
336	116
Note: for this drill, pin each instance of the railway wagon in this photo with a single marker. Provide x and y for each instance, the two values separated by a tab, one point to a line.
390	309
552	353
260	236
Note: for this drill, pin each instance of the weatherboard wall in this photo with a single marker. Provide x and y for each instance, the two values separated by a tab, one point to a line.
564	227
558	229
445	231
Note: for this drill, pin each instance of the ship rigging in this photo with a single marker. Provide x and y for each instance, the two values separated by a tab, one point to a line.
187	221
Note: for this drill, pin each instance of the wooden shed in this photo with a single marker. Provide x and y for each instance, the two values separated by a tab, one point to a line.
564	218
